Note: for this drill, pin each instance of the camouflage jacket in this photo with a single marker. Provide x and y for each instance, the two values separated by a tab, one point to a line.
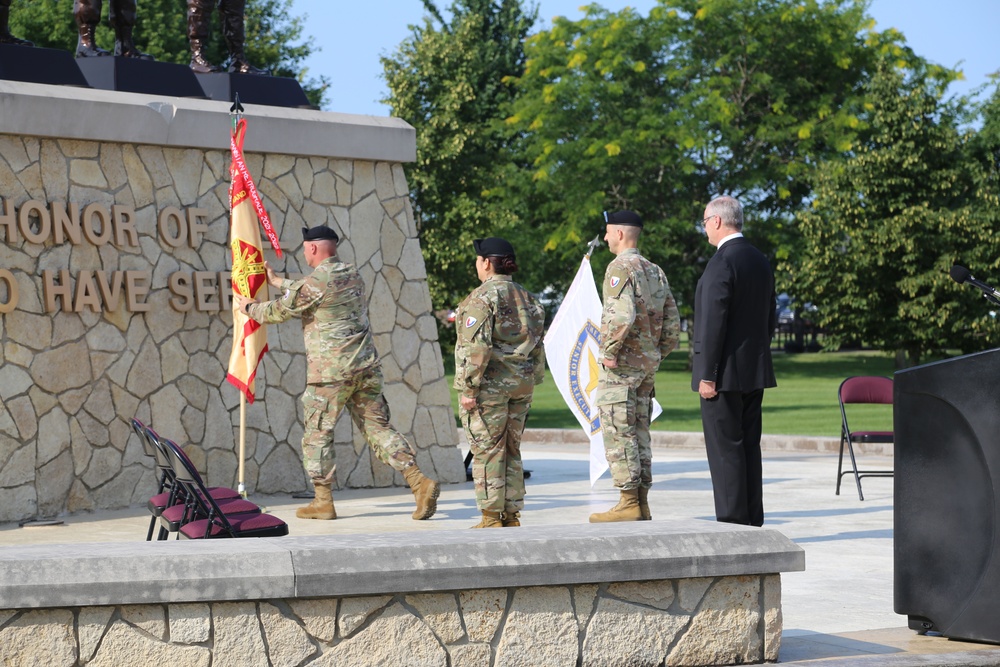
640	324
331	304
499	348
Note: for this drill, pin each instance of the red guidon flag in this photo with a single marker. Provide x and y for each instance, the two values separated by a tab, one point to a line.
249	276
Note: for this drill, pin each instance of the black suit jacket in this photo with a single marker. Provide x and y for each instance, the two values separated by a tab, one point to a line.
734	320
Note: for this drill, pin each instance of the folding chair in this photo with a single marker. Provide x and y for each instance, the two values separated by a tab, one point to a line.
862	390
216	520
191	506
166	489
169	493
170	497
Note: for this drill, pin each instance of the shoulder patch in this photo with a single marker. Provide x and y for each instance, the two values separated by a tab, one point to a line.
614	282
473	317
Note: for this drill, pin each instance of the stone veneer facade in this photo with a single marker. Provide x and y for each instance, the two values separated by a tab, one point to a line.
699	621
69	380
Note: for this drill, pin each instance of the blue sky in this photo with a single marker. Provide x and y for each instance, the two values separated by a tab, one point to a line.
353	35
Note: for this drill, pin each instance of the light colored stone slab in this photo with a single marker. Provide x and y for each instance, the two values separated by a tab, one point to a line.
130	118
39	638
239	641
621	634
144	573
411	643
540	629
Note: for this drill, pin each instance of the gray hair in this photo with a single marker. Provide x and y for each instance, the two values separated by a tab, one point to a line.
729	209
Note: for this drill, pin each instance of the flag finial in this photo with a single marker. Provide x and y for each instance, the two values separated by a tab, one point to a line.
593	245
236	111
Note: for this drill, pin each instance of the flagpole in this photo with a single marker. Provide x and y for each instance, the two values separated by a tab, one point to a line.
243	441
236	113
592	246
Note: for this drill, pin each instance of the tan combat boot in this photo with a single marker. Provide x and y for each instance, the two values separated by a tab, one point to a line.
511	519
644	503
490	520
627	509
425	491
321	506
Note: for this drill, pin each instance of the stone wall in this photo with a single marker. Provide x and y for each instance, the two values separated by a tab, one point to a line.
699	621
683	592
139	323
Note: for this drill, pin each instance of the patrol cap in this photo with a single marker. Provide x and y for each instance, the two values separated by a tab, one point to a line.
492	246
319	234
623	218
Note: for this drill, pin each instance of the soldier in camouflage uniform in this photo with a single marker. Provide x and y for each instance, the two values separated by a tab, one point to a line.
343	370
498	361
639	327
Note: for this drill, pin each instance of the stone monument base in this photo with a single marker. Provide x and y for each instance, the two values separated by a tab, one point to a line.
274	91
37	65
649	593
131	75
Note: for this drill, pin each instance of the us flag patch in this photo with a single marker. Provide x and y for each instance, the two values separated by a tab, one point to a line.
469	321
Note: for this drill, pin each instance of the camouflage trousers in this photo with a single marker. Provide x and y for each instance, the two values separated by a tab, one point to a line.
362	396
624	399
494	430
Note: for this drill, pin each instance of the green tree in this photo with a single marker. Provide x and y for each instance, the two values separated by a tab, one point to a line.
448	79
889	220
274	37
661	113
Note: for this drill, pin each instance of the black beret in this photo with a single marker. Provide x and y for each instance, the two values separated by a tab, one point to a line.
493	246
624	218
319	233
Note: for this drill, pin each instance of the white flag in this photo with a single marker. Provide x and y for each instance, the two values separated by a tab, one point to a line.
572	346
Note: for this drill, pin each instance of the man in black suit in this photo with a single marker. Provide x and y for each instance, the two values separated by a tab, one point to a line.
734	319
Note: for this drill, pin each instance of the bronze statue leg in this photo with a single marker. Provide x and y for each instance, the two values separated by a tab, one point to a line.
199	18
88	14
232	13
121	13
5	36
121	16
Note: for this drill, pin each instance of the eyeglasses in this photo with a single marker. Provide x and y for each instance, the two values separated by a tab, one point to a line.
704	220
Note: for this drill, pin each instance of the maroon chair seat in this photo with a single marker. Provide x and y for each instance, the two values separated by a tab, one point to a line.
212	520
173	518
242	525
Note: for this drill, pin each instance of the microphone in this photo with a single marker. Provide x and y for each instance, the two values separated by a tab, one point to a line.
960	274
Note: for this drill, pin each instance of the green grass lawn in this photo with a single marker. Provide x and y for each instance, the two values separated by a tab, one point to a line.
804	402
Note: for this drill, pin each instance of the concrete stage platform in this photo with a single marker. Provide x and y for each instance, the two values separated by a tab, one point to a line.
837	612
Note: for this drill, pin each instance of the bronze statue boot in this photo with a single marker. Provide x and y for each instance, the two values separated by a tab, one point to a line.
199	64
239	65
86	47
5	36
627	509
234	30
125	47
